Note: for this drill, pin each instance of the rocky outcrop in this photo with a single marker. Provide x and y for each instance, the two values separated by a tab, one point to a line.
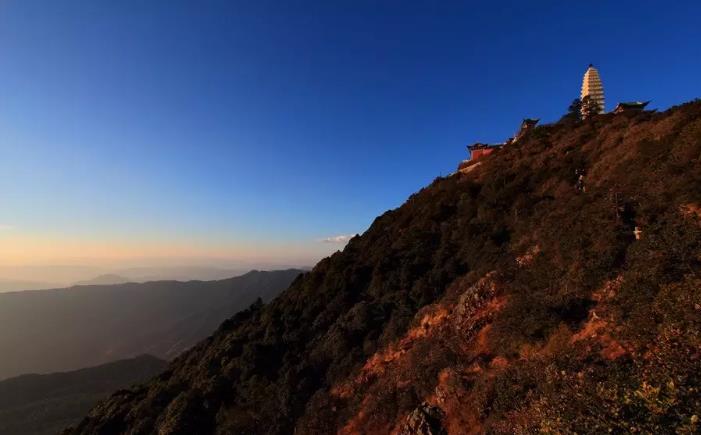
423	420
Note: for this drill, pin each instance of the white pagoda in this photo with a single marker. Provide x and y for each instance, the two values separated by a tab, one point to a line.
592	88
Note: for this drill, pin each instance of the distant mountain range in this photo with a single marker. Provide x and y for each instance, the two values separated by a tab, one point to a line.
179	273
65	329
18	278
46	404
13	285
106	279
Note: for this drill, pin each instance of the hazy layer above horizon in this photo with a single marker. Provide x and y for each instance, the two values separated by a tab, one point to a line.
20	278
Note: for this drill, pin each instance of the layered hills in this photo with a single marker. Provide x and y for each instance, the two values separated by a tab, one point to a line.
46	331
510	299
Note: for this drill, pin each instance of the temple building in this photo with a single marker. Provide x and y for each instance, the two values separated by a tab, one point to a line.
632	106
592	88
527	125
480	150
477	151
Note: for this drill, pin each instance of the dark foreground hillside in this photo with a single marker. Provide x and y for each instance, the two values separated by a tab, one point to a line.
504	300
46	331
46	404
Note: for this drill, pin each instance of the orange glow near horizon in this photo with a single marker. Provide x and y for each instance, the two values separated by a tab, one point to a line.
18	249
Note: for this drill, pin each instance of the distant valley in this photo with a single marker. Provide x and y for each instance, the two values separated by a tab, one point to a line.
46	331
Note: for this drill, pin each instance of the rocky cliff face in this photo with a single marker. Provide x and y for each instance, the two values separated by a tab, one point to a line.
511	299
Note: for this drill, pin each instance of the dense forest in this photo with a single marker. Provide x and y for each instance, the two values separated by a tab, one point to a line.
510	299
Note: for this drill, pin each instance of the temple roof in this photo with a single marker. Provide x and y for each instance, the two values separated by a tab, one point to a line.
633	103
630	105
480	146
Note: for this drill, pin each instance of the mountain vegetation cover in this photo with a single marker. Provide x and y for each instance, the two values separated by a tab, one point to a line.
514	298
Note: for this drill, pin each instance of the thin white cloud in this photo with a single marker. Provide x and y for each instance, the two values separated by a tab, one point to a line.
6	227
341	238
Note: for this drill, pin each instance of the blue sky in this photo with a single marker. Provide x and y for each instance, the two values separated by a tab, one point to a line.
229	130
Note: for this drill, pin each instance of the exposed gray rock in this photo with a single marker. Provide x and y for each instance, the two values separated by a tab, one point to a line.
424	420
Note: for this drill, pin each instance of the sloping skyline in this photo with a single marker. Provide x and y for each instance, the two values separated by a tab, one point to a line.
266	133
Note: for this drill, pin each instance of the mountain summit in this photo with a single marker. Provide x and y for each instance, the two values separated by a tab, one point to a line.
555	287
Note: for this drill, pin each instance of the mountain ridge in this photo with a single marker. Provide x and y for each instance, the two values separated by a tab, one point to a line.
512	299
104	279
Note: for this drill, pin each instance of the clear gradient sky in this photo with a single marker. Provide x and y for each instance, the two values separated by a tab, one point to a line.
193	131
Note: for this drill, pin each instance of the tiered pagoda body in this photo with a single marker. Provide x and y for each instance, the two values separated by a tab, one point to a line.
592	88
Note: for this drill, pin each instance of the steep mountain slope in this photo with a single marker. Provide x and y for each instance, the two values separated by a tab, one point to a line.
66	329
504	300
45	404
